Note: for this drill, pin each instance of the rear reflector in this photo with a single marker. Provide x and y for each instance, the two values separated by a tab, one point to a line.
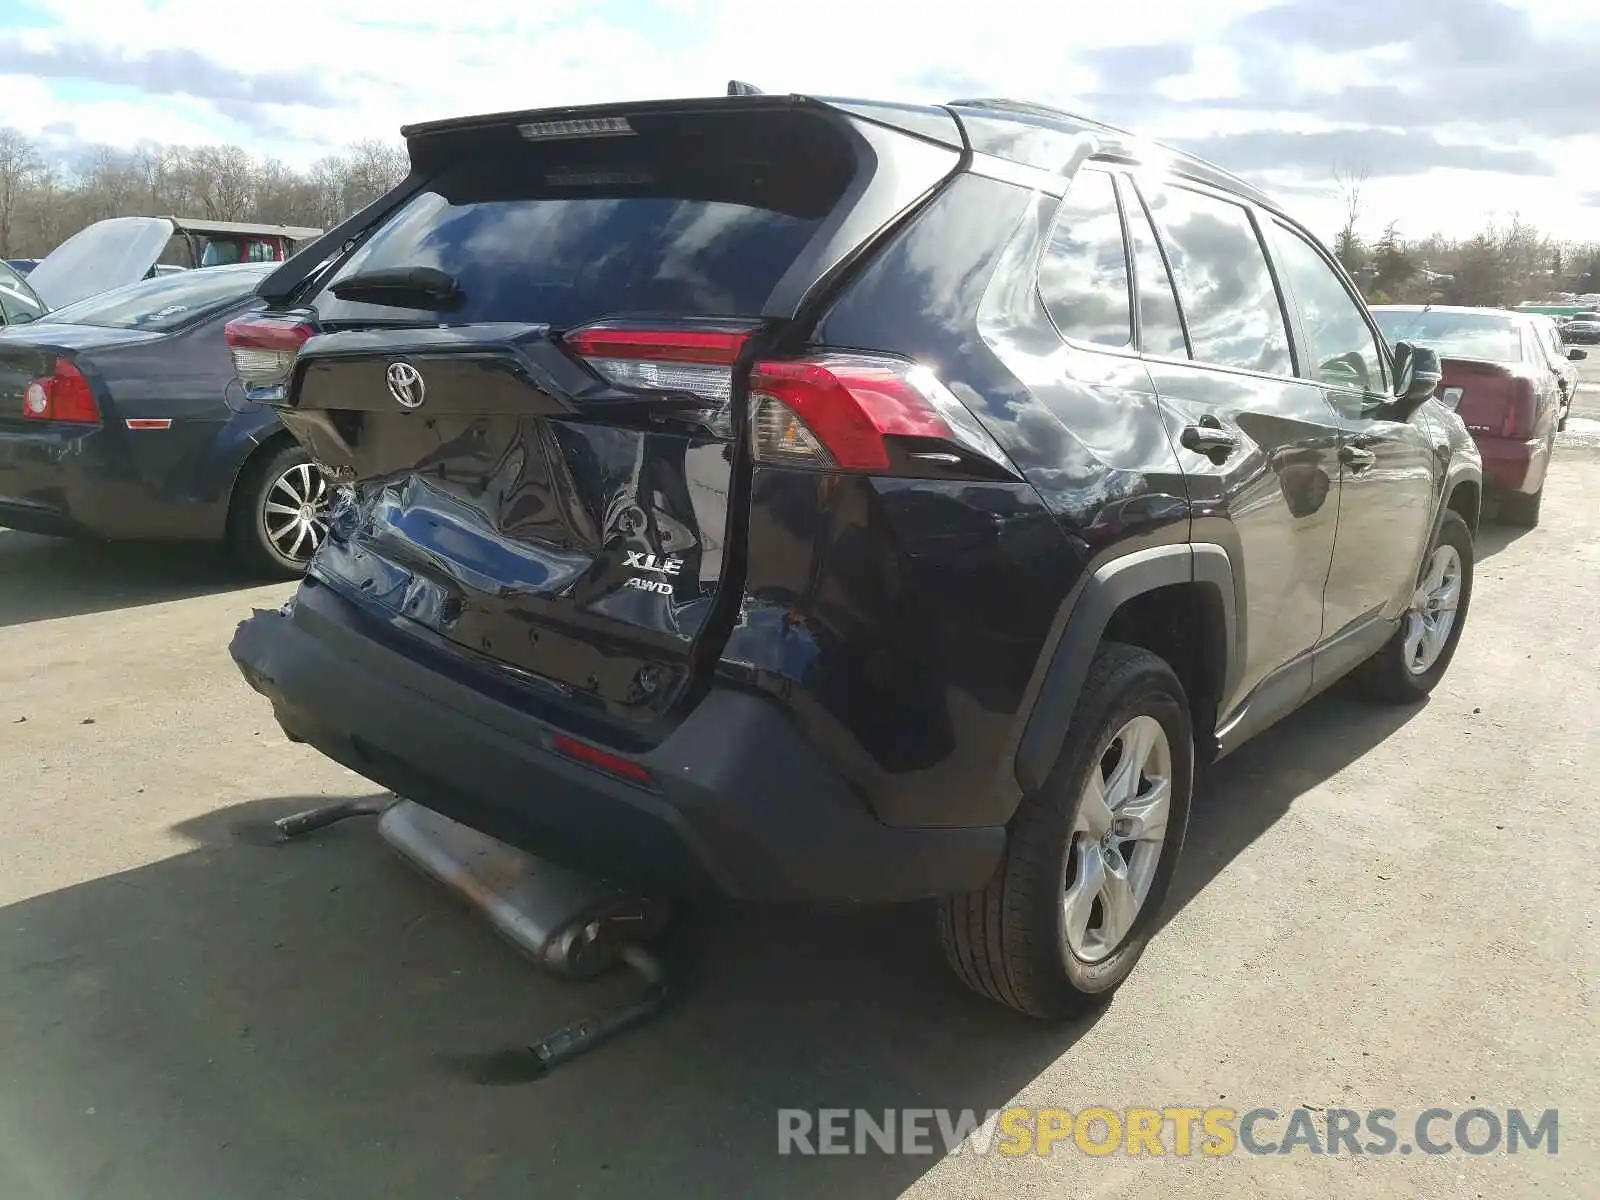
62	396
604	760
149	422
836	411
264	349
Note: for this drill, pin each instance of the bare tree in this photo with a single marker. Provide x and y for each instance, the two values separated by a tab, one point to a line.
1350	181
1349	247
19	163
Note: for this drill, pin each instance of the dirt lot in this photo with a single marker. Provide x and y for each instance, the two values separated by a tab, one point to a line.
1377	908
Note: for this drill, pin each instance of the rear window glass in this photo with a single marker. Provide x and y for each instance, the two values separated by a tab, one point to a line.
1455	335
166	301
559	241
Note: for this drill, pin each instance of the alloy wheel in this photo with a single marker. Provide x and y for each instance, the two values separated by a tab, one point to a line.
1433	610
1117	841
294	517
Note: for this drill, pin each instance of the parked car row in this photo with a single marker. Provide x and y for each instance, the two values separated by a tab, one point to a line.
120	417
121	250
1582	329
1510	380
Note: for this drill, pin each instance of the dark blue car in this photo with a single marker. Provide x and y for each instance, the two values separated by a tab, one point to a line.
120	418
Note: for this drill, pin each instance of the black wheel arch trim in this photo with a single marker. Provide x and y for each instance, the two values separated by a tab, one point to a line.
1458	474
1106	590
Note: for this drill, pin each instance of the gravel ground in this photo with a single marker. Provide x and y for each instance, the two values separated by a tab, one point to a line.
1376	909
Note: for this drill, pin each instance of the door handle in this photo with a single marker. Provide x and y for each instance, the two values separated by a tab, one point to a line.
1208	437
1356	458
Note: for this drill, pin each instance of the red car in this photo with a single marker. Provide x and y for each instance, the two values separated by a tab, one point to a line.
1504	381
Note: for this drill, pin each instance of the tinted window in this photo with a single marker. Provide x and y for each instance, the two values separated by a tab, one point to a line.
1084	275
1223	281
1160	329
1492	337
221	253
18	304
166	301
527	242
1342	348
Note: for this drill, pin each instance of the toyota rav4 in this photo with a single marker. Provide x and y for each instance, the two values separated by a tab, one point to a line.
819	500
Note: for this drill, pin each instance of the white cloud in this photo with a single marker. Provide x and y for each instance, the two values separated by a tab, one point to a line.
387	62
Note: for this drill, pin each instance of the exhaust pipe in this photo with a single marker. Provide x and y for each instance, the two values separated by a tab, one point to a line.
572	925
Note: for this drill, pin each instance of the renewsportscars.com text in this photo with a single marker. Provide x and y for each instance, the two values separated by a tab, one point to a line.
1210	1132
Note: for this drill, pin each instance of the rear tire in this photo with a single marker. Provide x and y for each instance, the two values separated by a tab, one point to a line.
1521	509
1016	940
1392	675
271	541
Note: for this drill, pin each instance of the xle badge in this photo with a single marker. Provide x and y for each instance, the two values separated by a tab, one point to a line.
664	564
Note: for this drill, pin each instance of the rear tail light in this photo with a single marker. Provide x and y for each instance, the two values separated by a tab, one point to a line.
840	410
1522	409
62	396
831	412
694	361
264	349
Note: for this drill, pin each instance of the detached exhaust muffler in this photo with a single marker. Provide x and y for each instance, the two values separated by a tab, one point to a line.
572	925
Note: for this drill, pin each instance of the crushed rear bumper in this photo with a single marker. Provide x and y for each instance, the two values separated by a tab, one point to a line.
740	803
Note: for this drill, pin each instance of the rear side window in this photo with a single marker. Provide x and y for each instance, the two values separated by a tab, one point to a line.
1160	327
1083	278
701	225
1552	339
1223	281
1343	351
17	303
166	301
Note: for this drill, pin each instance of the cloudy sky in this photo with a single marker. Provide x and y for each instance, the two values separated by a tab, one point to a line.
1458	110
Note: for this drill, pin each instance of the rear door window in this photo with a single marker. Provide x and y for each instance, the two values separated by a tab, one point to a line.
1083	278
1223	281
1160	326
540	239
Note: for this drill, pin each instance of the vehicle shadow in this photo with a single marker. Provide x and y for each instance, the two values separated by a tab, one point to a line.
315	1019
1494	537
42	577
1240	798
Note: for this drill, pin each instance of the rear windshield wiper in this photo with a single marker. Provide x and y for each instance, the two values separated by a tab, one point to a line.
401	287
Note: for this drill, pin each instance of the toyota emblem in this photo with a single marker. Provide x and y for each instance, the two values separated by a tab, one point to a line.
405	385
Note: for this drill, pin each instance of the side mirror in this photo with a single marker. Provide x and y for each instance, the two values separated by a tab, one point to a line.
1416	375
1577	355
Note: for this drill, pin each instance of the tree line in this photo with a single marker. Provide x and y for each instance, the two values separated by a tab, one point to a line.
43	201
1507	262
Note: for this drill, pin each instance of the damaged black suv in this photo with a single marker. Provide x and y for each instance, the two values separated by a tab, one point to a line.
817	500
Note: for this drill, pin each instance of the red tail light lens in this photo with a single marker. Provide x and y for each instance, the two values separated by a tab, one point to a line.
264	349
837	411
63	396
1522	409
696	361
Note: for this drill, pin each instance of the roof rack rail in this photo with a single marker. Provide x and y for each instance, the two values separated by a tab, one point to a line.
737	87
1029	108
